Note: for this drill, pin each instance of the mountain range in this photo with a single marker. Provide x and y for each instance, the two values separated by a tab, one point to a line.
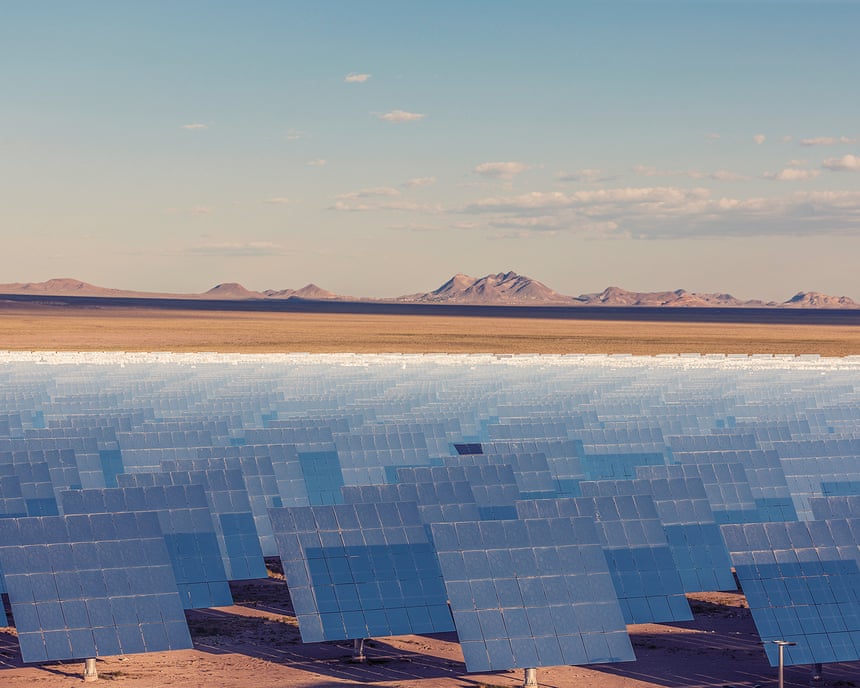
504	288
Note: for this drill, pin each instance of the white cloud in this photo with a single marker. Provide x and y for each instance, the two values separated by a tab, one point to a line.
249	249
587	175
651	171
295	135
195	210
398	116
759	139
545	225
712	136
826	141
665	196
321	162
787	139
349	205
719	175
672	212
501	170
195	125
792	174
417	182
356	78
413	228
726	176
278	200
847	163
645	170
529	202
370	193
537	222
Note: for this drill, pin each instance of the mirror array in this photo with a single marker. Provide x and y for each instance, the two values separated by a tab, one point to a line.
91	585
799	588
186	525
531	592
360	570
685	516
533	504
647	583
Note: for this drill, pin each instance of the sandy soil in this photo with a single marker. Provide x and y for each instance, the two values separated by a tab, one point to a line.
256	644
141	330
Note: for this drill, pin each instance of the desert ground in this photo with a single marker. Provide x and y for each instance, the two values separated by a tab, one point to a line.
256	644
123	329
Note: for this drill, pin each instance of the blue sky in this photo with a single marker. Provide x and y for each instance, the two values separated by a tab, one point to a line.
376	148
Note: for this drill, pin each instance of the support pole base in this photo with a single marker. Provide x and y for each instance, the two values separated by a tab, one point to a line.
817	673
90	671
358	651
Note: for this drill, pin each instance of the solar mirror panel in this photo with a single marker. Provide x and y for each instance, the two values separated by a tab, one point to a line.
186	524
809	463
231	514
91	586
846	535
360	571
713	442
839	487
799	589
563	455
260	483
12	502
766	476
493	486
647	583
284	458
618	465
144	479
531	470
468	448
78	462
34	477
726	485
842	506
530	593
443	501
694	538
323	475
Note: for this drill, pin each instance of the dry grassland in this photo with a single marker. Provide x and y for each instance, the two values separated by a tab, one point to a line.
159	330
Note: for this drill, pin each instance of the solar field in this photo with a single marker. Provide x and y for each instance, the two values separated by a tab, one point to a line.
530	509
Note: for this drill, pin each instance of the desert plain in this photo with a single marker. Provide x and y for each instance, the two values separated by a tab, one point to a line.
256	644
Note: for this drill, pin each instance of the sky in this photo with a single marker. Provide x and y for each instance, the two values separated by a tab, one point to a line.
377	148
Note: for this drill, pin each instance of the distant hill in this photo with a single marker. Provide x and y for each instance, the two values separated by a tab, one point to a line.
615	296
309	291
500	289
814	299
232	290
509	288
66	286
225	290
